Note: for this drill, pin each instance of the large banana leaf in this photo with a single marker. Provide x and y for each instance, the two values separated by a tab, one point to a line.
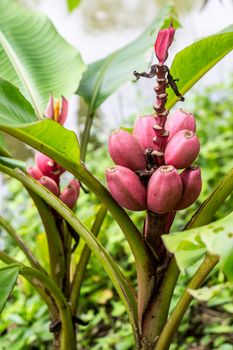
191	63
105	76
35	57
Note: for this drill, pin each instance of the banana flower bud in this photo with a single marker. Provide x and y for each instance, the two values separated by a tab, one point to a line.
56	112
163	42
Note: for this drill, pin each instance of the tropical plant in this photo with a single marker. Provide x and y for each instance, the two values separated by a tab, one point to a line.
36	62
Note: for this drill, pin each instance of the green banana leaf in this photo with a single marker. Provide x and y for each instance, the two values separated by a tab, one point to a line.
35	57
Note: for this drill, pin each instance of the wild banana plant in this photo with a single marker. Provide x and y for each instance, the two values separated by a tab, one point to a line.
154	172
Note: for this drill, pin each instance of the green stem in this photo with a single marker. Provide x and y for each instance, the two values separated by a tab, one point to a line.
86	134
83	261
122	286
18	240
67	249
7	259
13	163
55	248
171	326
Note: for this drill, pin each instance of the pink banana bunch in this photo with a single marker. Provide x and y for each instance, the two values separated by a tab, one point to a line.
45	170
148	173
139	181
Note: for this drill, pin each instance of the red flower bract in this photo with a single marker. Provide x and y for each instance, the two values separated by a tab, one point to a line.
163	42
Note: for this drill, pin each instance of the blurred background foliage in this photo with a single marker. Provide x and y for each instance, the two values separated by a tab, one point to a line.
208	323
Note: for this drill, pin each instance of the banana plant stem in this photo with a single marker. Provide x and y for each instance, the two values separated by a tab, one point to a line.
83	261
157	311
55	248
86	135
173	322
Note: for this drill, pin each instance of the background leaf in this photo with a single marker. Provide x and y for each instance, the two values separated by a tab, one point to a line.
35	57
18	119
207	293
105	76
72	4
215	238
194	61
8	278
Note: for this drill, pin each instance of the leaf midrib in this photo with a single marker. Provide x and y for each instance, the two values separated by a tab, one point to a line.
18	67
